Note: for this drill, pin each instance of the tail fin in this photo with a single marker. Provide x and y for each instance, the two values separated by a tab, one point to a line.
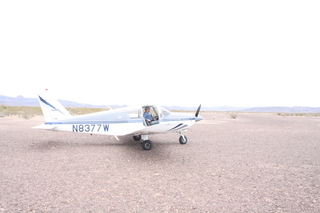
51	108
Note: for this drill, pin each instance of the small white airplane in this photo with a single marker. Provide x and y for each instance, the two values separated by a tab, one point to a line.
133	121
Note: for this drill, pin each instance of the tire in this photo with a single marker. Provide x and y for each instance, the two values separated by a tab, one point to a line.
146	145
136	137
183	140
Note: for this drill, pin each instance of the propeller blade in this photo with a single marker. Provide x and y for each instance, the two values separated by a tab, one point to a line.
198	110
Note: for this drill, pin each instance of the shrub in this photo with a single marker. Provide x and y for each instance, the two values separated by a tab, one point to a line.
233	115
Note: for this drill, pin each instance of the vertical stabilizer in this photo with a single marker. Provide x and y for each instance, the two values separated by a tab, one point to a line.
51	108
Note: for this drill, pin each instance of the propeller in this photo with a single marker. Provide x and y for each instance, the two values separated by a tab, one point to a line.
198	110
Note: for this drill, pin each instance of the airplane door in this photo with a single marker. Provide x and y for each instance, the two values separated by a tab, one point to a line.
160	115
155	112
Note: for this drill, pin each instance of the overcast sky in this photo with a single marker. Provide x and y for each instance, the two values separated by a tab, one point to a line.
237	53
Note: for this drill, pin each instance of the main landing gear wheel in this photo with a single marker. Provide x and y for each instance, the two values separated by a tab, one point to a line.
146	145
136	137
183	140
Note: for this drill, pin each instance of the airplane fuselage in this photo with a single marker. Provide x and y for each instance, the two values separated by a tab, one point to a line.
138	121
120	122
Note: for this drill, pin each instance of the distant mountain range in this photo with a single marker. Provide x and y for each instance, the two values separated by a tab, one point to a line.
22	101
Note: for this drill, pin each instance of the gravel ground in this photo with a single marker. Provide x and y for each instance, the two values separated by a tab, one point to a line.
254	163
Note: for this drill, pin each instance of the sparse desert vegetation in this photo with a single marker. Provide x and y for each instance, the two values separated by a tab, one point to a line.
27	112
83	110
19	111
233	115
299	114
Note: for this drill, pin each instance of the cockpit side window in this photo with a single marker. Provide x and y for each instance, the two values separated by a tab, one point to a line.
151	115
134	114
153	111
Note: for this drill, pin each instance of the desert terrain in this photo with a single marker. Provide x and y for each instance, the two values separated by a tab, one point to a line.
254	163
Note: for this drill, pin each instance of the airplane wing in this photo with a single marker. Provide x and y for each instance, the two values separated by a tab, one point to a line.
129	131
124	132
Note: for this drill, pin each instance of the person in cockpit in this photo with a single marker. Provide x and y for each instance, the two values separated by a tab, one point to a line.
149	117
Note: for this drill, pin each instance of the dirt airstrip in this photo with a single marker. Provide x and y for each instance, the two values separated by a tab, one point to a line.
254	163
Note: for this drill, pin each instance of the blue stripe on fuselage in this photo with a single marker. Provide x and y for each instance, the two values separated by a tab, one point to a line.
92	122
176	126
115	122
177	119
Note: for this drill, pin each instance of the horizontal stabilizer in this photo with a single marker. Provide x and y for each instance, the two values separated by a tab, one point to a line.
46	127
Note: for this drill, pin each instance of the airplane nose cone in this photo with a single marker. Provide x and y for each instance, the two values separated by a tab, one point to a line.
199	118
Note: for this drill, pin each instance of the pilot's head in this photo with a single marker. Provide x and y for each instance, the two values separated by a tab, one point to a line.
147	109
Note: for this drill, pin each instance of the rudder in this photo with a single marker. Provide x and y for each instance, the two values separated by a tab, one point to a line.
52	108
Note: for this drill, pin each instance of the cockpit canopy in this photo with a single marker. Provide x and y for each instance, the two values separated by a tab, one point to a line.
155	111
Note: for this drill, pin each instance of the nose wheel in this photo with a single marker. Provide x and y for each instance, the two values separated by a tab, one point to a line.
183	139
